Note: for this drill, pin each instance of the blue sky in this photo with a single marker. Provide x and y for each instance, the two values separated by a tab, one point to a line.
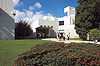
54	7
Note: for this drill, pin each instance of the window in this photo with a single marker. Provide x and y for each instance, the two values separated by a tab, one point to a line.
61	22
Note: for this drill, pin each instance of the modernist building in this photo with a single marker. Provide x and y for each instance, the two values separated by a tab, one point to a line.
67	23
48	21
7	24
62	26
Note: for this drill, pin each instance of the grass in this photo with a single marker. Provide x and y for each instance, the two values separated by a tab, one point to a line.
9	49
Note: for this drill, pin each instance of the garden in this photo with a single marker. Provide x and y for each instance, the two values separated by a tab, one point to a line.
60	54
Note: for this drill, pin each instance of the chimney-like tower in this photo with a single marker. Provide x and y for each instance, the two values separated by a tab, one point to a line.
70	11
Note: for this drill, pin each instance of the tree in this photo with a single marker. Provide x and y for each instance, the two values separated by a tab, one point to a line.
43	30
86	17
98	13
22	30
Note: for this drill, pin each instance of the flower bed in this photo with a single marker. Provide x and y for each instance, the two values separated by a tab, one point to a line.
60	54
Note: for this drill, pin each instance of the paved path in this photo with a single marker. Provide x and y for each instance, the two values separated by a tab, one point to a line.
71	41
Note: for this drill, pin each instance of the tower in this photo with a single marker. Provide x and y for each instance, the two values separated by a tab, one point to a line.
70	12
68	23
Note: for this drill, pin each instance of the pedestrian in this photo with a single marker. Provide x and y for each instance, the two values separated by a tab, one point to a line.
68	36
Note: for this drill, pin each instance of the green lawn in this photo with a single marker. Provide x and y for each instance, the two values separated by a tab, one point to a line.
9	49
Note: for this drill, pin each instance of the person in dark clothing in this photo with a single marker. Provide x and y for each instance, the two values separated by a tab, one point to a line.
68	36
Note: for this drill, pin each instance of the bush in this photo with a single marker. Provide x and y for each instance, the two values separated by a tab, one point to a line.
60	54
95	34
23	30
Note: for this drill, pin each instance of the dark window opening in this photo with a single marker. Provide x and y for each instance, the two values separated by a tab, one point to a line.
61	22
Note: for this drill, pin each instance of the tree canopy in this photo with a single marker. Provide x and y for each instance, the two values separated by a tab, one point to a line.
44	31
87	17
22	30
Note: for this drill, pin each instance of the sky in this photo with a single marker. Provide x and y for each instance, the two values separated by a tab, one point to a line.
53	7
32	11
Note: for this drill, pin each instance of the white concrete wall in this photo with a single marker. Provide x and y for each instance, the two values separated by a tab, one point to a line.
69	23
49	21
69	10
45	20
7	6
68	28
34	25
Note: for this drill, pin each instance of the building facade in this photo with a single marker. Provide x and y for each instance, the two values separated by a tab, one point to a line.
67	23
62	26
48	21
7	25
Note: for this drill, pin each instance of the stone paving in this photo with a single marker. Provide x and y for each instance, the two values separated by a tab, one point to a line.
71	41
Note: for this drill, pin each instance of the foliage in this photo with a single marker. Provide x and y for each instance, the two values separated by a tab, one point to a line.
43	30
87	17
22	30
10	49
60	54
95	34
98	12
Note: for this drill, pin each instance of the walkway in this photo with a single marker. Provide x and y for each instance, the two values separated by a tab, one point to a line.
71	41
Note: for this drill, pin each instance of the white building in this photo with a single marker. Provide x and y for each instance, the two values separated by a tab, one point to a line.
7	24
48	21
67	23
45	21
64	25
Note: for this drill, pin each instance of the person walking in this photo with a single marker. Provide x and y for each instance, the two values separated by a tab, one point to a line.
68	36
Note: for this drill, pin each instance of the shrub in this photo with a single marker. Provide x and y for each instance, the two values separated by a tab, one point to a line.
60	54
95	34
45	32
